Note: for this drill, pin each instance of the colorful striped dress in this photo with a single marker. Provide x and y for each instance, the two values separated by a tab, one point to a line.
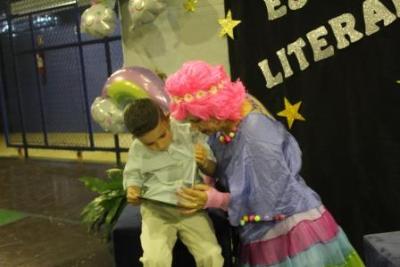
281	220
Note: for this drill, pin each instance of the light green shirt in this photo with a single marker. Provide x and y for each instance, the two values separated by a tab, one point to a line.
161	173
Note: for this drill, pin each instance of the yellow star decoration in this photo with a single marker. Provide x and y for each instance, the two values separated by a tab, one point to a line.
291	112
190	5
227	25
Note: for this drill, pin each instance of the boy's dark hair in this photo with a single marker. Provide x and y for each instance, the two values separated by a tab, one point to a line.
142	116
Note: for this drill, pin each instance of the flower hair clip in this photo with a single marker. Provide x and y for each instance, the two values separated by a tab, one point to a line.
189	97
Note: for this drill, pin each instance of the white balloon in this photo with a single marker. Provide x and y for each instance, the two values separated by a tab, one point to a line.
99	21
145	11
107	114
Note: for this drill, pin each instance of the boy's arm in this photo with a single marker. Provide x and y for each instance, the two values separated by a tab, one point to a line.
132	179
133	194
132	184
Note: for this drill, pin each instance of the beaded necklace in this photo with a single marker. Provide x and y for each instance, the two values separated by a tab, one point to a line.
227	138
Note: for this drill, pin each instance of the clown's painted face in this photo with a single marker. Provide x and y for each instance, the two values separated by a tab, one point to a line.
208	127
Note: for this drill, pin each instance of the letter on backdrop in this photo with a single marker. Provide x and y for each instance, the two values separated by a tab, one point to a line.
375	11
396	4
296	48
342	26
269	77
287	70
319	45
275	9
297	4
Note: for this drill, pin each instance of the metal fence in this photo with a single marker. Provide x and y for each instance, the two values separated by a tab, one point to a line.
50	75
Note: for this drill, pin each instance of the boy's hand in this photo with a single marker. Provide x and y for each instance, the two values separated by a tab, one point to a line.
200	154
133	195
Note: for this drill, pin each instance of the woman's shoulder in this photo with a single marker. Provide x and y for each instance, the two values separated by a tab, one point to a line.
261	127
255	122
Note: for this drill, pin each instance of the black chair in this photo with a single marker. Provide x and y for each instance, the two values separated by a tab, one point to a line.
382	249
127	248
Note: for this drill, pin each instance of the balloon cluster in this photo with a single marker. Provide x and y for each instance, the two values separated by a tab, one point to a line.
145	11
100	19
123	87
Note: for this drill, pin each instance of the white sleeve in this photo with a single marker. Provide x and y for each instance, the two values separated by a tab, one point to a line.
132	175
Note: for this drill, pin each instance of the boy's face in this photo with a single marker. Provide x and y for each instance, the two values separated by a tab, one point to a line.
159	138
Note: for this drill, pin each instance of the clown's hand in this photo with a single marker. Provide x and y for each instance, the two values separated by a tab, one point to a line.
192	199
145	11
99	21
201	155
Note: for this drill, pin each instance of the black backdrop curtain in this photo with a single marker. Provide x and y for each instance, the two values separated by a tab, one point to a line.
351	102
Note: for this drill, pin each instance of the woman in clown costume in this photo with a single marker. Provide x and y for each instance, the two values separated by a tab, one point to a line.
281	221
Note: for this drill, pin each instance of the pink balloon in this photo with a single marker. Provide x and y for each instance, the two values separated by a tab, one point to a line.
144	79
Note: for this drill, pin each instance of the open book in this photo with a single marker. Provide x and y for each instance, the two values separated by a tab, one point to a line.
167	194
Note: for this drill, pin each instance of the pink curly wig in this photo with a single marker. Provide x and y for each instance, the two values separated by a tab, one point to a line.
195	76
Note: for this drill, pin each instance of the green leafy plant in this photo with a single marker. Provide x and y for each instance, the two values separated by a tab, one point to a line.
103	211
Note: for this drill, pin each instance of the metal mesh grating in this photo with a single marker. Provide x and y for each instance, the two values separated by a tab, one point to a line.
30	102
57	27
29	6
10	93
63	96
53	104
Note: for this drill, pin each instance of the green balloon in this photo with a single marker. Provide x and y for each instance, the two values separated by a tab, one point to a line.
124	92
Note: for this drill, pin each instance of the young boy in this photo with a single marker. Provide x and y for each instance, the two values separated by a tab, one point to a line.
161	159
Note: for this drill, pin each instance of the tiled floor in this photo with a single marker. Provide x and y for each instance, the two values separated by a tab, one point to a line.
50	193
